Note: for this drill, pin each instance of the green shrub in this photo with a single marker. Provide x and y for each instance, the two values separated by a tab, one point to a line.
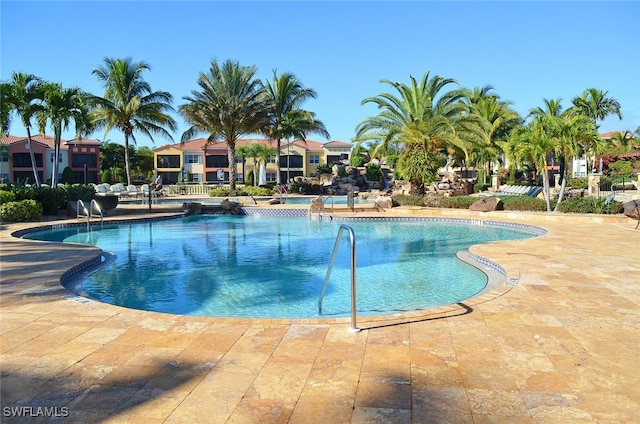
105	177
342	173
478	187
220	192
6	197
391	161
523	203
23	210
67	176
80	192
373	172
325	168
580	183
590	205
408	200
457	202
254	191
356	160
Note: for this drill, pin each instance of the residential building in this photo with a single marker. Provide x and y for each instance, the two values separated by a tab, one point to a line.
207	162
81	155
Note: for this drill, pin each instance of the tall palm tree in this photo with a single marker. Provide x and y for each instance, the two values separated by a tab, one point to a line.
24	94
256	151
230	103
500	120
60	107
6	107
286	95
423	117
533	143
552	107
264	153
130	105
596	105
571	132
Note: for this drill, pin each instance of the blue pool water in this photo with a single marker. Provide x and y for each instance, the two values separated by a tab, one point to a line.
234	266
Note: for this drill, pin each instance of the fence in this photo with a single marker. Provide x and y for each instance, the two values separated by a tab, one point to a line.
618	185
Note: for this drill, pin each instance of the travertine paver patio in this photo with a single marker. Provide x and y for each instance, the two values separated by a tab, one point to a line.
560	347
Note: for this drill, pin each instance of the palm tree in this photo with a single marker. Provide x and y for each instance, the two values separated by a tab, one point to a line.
23	95
622	140
264	153
533	143
551	108
421	117
61	106
253	151
571	132
129	104
596	105
500	121
230	103
286	95
6	107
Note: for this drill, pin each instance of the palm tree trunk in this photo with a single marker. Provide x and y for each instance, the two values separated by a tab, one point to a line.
278	182
563	185
231	155
56	151
127	165
32	156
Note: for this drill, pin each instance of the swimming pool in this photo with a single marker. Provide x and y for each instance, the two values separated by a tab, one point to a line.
235	266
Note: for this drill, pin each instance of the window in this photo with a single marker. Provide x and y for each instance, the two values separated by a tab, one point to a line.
239	176
271	176
78	161
4	155
272	159
194	159
52	155
168	161
22	160
217	161
292	161
314	159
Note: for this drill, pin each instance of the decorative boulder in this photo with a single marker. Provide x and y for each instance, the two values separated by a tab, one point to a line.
384	202
487	205
326	179
192	208
632	208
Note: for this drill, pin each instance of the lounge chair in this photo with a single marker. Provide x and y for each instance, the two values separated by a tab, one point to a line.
132	191
101	190
117	189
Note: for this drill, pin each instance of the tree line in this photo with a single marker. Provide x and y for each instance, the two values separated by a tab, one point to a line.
230	102
420	125
425	123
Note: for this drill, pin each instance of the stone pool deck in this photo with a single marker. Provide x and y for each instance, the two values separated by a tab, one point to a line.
560	346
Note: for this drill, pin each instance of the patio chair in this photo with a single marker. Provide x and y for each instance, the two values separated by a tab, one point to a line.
117	189
101	190
132	191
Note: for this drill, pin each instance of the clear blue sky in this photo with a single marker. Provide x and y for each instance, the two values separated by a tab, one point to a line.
527	51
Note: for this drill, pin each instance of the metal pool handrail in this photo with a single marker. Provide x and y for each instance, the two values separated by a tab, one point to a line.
88	212
352	238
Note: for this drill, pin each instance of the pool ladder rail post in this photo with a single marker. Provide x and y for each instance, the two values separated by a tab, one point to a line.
320	206
83	212
352	238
